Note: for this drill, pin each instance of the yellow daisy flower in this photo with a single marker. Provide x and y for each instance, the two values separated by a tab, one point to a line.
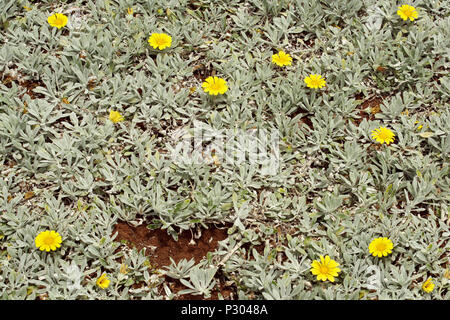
58	20
381	247
407	11
215	86
282	59
115	116
48	240
160	41
428	285
383	135
325	269
315	81
103	281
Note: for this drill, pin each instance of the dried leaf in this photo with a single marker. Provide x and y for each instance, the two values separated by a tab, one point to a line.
426	134
29	195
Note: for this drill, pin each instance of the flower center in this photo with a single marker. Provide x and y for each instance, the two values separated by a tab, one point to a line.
160	41
215	86
315	81
383	135
48	240
381	246
59	20
324	269
408	12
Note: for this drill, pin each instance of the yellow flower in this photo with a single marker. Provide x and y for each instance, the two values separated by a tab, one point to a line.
160	41
325	269
103	281
383	135
419	127
407	11
58	20
130	11
282	59
215	86
428	285
115	116
48	240
381	247
315	81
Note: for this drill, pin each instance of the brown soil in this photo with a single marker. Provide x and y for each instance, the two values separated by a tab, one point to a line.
307	121
303	120
165	247
373	104
248	248
29	85
202	71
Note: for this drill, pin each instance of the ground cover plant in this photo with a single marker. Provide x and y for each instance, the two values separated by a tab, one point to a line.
97	98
